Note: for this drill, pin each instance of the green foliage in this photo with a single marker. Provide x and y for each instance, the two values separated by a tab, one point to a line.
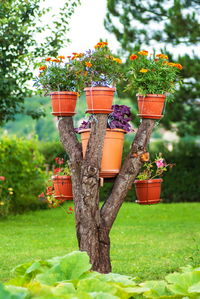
19	34
138	24
182	182
152	75
21	164
98	67
70	277
58	75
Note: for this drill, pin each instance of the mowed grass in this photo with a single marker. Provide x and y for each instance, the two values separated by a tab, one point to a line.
146	241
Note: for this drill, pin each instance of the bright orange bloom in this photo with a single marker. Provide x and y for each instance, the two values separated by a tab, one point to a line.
162	56
144	70
48	58
118	60
69	57
55	60
179	66
88	64
75	53
133	57
171	64
42	68
100	45
61	57
143	52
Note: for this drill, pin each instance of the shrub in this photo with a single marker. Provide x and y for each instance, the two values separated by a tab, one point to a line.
21	165
51	150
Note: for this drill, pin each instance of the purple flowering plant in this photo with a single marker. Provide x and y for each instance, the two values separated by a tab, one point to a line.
155	169
119	119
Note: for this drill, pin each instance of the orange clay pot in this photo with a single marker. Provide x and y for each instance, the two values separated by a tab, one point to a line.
62	187
148	191
63	103
99	99
151	106
112	151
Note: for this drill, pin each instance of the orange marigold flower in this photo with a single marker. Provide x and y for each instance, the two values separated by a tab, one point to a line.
75	53
143	52
55	60
118	60
48	58
171	64
42	68
88	64
162	56
100	45
165	62
133	57
179	66
69	57
61	57
144	70
79	55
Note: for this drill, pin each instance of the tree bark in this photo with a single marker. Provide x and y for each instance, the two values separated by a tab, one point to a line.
93	224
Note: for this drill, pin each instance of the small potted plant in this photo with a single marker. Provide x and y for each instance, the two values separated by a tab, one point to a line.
99	71
118	124
148	181
62	184
58	78
152	77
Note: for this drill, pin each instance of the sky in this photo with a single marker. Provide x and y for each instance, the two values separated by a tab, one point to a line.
87	26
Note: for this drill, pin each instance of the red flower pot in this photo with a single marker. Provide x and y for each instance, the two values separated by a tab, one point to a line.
151	106
148	191
62	187
112	151
63	103
99	99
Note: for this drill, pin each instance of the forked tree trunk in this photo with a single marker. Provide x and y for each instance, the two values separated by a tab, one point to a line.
93	224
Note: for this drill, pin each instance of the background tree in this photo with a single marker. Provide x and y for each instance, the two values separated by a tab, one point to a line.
170	25
20	45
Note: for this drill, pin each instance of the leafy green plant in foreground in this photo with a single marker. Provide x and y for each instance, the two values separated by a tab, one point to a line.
69	276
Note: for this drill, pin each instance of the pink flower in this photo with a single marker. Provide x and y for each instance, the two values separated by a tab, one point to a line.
160	163
2	178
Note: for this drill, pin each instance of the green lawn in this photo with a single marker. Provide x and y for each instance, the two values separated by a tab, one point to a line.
147	241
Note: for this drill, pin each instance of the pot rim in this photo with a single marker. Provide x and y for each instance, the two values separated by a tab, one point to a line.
63	92
151	181
152	95
99	88
61	177
108	130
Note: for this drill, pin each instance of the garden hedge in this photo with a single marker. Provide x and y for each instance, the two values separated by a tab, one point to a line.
21	164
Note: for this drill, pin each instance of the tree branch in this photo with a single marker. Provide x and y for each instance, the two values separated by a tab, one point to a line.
128	172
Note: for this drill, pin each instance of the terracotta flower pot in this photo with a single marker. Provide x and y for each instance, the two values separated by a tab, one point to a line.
112	151
63	103
62	187
151	106
148	191
99	99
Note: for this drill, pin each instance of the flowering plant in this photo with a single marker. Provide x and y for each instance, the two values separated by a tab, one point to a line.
151	170
62	167
119	119
98	67
152	74
57	74
5	197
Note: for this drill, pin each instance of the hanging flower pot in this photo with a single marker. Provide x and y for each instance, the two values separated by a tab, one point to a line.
112	151
63	103
148	191
99	99
62	187
151	106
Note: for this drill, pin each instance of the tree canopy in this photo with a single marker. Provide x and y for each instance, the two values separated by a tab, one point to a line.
21	43
174	27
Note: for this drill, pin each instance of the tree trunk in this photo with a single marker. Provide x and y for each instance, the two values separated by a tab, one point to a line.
93	224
